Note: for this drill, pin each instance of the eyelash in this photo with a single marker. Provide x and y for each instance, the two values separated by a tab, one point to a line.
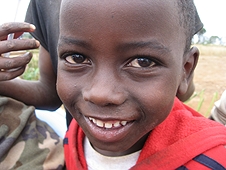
136	62
144	58
70	58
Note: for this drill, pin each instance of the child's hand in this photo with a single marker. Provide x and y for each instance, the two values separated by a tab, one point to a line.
14	66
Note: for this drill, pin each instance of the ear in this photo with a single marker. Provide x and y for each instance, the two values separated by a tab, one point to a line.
189	64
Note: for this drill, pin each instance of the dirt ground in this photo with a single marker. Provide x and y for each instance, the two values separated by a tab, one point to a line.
210	76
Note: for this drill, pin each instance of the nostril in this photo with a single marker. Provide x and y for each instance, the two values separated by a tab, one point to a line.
104	98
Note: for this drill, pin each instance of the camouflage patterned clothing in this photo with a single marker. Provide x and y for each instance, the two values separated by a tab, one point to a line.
26	142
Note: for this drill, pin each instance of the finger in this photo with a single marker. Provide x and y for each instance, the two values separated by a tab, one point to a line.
15	36
11	74
15	27
18	44
15	62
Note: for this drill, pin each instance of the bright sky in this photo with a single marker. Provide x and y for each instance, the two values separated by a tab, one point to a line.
9	9
212	14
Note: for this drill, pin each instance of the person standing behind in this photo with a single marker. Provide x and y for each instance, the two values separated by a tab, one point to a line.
26	141
42	93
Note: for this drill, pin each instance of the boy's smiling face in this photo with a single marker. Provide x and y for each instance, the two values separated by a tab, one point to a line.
121	65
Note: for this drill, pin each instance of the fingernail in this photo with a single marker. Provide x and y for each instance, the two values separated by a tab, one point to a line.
32	27
25	54
37	43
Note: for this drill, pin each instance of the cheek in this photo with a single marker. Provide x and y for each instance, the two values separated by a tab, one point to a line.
156	113
64	88
156	101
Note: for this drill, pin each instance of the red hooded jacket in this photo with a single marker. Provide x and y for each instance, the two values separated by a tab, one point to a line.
185	140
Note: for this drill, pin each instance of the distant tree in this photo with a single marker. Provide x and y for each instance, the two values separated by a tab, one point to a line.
214	40
201	37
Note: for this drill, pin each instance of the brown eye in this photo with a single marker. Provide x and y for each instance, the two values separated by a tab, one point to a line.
142	62
77	59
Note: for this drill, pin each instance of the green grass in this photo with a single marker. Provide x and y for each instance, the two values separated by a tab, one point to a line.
32	70
201	97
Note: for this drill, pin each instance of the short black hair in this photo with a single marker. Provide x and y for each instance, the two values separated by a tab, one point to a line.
189	20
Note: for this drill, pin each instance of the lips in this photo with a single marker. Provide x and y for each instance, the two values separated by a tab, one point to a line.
108	124
107	130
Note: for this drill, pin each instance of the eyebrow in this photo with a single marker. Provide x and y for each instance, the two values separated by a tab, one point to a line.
121	47
144	44
72	41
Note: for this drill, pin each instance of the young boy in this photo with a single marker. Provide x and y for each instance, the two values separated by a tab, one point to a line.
121	64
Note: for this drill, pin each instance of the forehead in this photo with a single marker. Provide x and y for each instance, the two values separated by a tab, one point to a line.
127	11
119	5
124	20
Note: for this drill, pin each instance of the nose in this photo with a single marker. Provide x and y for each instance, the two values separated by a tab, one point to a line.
104	92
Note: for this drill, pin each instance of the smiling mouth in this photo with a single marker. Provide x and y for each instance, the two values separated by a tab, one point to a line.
108	124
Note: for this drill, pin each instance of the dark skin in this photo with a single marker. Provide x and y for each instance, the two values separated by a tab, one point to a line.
191	88
42	93
12	67
119	70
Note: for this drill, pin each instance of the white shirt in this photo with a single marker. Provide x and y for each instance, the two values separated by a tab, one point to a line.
96	161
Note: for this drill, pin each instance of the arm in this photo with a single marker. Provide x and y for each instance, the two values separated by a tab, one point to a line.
42	93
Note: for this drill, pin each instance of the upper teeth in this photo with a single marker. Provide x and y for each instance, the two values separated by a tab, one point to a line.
107	124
